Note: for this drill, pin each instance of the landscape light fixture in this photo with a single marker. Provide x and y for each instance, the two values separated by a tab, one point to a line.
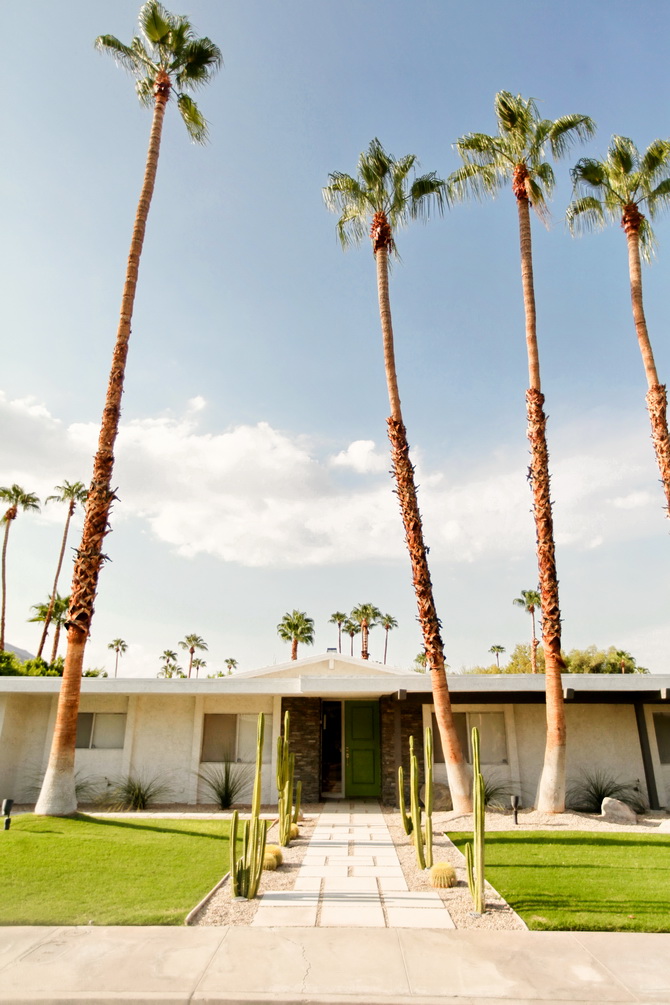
515	807
6	811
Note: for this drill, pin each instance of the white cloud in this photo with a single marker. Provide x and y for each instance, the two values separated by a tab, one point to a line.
261	497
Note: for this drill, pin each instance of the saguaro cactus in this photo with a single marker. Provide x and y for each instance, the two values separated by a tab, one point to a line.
245	872
285	770
474	857
423	838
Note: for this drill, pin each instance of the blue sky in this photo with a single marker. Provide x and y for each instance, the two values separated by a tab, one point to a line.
252	463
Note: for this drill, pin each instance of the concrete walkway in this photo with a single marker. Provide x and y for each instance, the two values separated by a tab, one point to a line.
351	877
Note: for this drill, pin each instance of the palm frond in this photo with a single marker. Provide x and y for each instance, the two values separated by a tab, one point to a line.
588	173
647	238
427	192
155	22
514	113
544	174
656	158
145	91
196	63
125	55
481	149
585	214
623	154
351	227
658	199
194	120
478	180
566	130
537	198
343	191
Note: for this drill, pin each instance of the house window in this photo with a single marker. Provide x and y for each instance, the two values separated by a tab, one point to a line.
492	736
101	730
228	737
662	728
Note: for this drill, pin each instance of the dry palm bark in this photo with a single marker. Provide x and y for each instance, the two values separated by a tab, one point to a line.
551	797
457	772
657	399
57	797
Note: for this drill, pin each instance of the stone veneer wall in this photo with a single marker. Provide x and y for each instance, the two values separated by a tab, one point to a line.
305	726
410	712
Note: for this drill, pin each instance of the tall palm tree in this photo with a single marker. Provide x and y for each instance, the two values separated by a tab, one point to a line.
338	618
231	664
531	601
618	189
296	628
71	494
367	616
383	198
17	499
198	664
167	58
191	643
119	647
56	611
351	628
388	623
516	155
497	650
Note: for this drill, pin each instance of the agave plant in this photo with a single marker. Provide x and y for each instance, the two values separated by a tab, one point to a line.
134	792
587	792
227	782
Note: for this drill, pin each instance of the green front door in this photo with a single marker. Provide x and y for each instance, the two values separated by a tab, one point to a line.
362	754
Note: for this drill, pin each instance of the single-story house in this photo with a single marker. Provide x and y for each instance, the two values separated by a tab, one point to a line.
351	720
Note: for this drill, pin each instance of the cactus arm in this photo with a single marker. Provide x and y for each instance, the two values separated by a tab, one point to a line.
428	755
298	798
233	853
416	806
469	869
404	815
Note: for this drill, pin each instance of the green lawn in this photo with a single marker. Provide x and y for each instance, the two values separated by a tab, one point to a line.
57	871
581	881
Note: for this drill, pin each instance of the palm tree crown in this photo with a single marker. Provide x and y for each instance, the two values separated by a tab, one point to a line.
296	628
388	623
338	618
55	610
531	601
169	56
119	647
191	643
367	616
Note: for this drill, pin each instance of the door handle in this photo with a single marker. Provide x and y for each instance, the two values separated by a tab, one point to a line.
347	753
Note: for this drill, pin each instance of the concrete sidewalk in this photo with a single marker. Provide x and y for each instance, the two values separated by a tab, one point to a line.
329	965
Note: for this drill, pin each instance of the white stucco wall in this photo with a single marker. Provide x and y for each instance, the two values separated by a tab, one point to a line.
23	727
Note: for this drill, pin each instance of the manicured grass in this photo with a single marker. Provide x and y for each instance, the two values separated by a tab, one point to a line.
112	872
581	881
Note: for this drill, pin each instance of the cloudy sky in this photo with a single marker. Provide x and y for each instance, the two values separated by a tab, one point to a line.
252	462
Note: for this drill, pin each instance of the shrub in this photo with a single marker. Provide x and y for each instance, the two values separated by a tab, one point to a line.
586	793
496	792
134	792
227	782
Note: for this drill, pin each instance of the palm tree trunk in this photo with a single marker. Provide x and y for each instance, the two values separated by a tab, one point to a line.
339	638
551	796
386	644
54	648
657	399
58	797
52	599
116	663
364	640
294	649
8	521
533	644
457	772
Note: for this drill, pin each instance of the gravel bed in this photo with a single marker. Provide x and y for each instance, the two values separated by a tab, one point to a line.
223	910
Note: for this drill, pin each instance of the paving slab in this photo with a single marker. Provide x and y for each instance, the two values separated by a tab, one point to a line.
352	915
417	917
285	916
641	962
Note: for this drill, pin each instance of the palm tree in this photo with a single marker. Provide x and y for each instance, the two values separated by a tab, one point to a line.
367	616
231	664
388	623
625	660
191	643
55	610
497	650
296	628
383	198
17	499
198	665
168	57
516	155
338	618
71	494
617	189
531	601
170	667
119	647
350	628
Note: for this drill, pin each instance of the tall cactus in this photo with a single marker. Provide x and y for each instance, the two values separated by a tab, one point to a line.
285	771
423	838
474	857
245	872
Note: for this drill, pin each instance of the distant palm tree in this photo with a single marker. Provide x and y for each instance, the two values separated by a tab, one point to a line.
198	665
497	650
625	660
616	190
231	664
296	628
56	610
168	58
338	618
350	628
71	494
17	499
384	196
367	616
119	647
531	601
421	661
516	155
388	623
170	667
191	643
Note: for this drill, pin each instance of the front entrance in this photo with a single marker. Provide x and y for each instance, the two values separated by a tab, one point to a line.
362	749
